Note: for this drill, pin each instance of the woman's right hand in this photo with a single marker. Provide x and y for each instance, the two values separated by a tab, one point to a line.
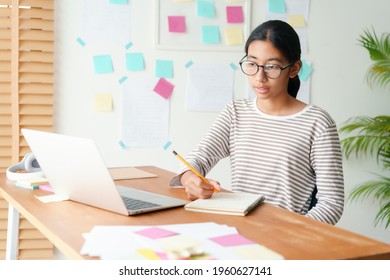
196	188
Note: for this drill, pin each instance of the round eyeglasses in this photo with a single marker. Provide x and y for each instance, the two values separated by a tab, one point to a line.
271	71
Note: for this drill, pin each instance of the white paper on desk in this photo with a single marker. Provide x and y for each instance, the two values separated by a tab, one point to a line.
51	198
145	114
209	87
104	23
121	242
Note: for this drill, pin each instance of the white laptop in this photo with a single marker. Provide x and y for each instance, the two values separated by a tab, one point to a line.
76	171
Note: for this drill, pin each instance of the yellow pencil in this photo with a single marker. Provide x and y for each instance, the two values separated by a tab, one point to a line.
194	170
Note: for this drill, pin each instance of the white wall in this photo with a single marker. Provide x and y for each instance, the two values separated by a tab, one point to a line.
337	85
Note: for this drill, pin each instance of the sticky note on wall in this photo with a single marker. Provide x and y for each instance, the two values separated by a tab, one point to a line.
135	62
102	64
164	68
164	88
210	34
176	24
234	14
103	102
233	36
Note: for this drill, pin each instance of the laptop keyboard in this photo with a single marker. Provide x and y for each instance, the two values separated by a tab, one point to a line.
136	204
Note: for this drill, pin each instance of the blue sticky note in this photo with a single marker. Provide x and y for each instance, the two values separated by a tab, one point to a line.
210	34
118	1
277	6
102	64
164	68
305	71
135	61
206	8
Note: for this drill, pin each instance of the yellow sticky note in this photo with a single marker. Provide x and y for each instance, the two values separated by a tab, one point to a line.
233	36
103	102
296	20
148	254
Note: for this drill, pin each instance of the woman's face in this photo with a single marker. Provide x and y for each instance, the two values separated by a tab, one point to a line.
262	53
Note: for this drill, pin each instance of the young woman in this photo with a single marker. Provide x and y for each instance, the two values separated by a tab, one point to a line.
278	146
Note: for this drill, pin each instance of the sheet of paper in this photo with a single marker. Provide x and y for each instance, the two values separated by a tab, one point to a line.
157	242
145	115
209	87
51	198
103	22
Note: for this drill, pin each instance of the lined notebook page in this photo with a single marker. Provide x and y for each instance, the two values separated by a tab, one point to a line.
226	203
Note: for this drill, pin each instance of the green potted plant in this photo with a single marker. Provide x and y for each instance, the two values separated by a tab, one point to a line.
371	135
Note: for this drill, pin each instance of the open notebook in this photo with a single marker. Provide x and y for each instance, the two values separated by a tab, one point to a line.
239	204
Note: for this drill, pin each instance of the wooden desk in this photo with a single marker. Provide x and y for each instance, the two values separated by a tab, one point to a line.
290	234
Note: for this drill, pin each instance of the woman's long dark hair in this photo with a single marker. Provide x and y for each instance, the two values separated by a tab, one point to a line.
285	39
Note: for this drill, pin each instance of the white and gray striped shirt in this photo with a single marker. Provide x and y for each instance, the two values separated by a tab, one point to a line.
281	157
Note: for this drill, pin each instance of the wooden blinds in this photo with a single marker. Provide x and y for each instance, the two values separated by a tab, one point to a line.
26	93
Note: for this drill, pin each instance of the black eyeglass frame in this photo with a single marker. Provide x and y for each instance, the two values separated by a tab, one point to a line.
262	66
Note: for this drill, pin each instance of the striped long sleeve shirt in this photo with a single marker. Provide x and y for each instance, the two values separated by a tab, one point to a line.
281	157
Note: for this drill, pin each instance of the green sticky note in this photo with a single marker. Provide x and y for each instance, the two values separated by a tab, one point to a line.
205	8
135	62
210	34
164	68
102	64
277	6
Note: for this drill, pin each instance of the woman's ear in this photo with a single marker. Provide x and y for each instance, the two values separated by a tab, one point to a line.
295	68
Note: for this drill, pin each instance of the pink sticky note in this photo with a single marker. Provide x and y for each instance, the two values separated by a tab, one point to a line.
176	24
156	232
164	88
234	14
46	187
231	240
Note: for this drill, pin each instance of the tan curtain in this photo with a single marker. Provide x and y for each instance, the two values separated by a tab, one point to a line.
26	97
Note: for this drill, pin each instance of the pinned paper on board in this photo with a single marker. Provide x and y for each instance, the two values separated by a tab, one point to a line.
106	22
145	115
209	87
